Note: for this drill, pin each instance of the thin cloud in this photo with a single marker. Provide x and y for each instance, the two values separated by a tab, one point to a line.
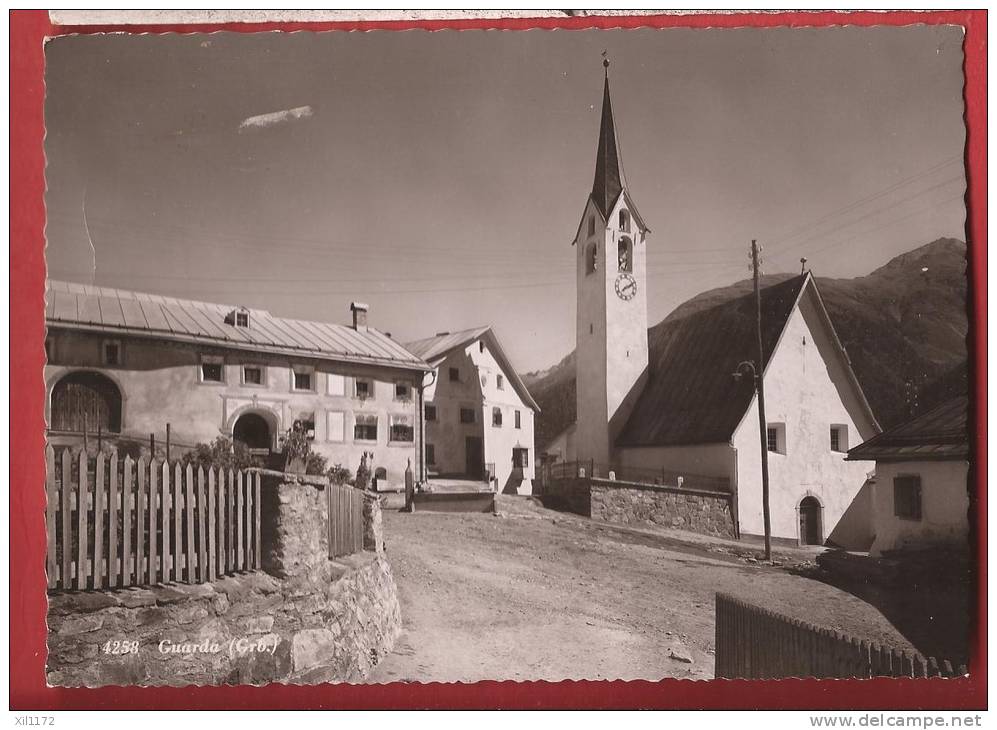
262	121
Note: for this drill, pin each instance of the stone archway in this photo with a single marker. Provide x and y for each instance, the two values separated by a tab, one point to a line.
254	431
811	527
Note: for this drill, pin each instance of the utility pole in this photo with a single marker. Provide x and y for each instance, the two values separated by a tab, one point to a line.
760	388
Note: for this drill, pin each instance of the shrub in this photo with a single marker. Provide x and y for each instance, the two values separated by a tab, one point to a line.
339	474
221	453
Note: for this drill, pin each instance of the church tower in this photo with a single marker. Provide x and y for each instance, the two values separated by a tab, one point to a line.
611	328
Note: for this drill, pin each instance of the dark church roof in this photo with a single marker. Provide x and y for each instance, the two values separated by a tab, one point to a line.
608	182
691	396
938	434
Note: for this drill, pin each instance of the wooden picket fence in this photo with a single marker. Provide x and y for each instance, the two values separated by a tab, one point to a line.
345	520
754	643
114	523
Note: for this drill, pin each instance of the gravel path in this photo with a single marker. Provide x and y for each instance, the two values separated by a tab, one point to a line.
536	594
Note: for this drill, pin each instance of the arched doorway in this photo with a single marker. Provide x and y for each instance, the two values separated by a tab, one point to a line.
253	431
86	401
810	527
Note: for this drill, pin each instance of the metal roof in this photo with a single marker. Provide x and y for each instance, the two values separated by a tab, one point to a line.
117	311
937	434
435	350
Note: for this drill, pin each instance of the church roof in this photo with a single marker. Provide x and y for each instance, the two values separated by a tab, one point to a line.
691	396
937	434
608	183
435	350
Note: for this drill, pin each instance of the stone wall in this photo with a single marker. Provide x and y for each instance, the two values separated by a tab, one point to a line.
306	620
696	510
700	511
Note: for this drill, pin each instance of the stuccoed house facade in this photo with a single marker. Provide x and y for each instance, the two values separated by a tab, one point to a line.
920	493
478	413
125	365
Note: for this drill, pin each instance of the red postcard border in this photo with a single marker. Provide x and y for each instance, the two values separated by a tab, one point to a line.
28	690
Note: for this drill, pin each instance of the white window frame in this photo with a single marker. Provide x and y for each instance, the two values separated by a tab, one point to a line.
842	430
372	390
518	419
408	387
377	426
497	413
211	360
256	366
103	353
780	437
302	370
500	381
391	425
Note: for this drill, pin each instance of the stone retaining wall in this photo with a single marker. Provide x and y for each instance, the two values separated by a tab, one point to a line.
627	503
306	620
706	512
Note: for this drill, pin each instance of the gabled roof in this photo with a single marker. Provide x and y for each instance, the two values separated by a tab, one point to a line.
937	434
120	312
691	396
435	350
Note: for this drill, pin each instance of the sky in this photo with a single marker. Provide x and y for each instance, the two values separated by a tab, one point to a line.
440	177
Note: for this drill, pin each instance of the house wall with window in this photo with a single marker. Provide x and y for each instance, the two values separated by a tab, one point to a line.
484	389
940	514
202	391
808	404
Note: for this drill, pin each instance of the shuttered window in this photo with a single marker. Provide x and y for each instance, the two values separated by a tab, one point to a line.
907	497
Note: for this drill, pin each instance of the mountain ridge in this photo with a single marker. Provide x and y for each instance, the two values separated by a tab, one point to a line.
905	321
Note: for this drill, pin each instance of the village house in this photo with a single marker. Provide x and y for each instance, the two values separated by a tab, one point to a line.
920	493
673	407
478	412
126	366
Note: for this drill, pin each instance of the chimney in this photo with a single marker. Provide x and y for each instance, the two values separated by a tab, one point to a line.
359	310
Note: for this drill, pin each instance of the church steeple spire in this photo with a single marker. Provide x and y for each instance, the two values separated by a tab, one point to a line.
608	181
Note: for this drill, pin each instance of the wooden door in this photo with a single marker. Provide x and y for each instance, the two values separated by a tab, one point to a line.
474	452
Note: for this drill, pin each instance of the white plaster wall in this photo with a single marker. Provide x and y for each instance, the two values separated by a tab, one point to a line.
479	389
944	505
159	382
611	335
806	388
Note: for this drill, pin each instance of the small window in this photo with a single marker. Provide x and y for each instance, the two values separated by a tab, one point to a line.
430	412
625	220
839	438
401	428
518	419
520	458
303	378
212	369
591	259
403	391
467	415
625	254
591	225
365	427
907	497
500	382
112	352
335	426
242	319
497	417
775	438
363	388
430	455
305	422
252	375
481	346
454	375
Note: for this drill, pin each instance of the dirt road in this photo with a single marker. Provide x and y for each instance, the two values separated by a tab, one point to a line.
537	594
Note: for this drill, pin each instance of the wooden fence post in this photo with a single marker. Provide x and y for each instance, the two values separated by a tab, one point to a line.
98	523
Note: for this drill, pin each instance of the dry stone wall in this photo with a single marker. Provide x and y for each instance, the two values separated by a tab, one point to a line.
306	620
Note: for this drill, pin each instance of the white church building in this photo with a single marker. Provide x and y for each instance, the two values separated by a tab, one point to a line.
673	405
